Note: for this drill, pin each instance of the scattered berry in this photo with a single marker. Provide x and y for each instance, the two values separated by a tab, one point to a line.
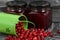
58	31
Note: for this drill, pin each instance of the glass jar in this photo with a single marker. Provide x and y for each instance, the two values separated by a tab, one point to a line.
40	13
11	6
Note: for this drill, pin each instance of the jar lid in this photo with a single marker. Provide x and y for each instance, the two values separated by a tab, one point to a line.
21	3
39	4
11	3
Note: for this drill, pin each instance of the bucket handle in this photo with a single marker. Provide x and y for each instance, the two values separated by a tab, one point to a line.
30	23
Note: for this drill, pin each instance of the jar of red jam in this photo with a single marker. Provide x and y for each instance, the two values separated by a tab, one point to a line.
40	14
20	7
11	6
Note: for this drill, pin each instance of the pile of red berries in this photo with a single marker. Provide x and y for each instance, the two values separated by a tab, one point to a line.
30	34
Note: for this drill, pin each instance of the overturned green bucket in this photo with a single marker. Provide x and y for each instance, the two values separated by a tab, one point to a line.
8	23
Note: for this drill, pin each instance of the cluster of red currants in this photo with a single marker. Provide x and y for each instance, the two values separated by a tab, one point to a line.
30	34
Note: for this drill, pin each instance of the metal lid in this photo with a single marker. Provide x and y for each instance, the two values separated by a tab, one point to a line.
39	4
11	3
21	3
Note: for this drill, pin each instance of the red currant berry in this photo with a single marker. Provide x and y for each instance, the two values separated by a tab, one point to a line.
58	31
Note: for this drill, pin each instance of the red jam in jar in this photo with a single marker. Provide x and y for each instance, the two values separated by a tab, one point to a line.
40	13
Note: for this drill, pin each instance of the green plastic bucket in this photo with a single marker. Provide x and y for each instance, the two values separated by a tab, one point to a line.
8	22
